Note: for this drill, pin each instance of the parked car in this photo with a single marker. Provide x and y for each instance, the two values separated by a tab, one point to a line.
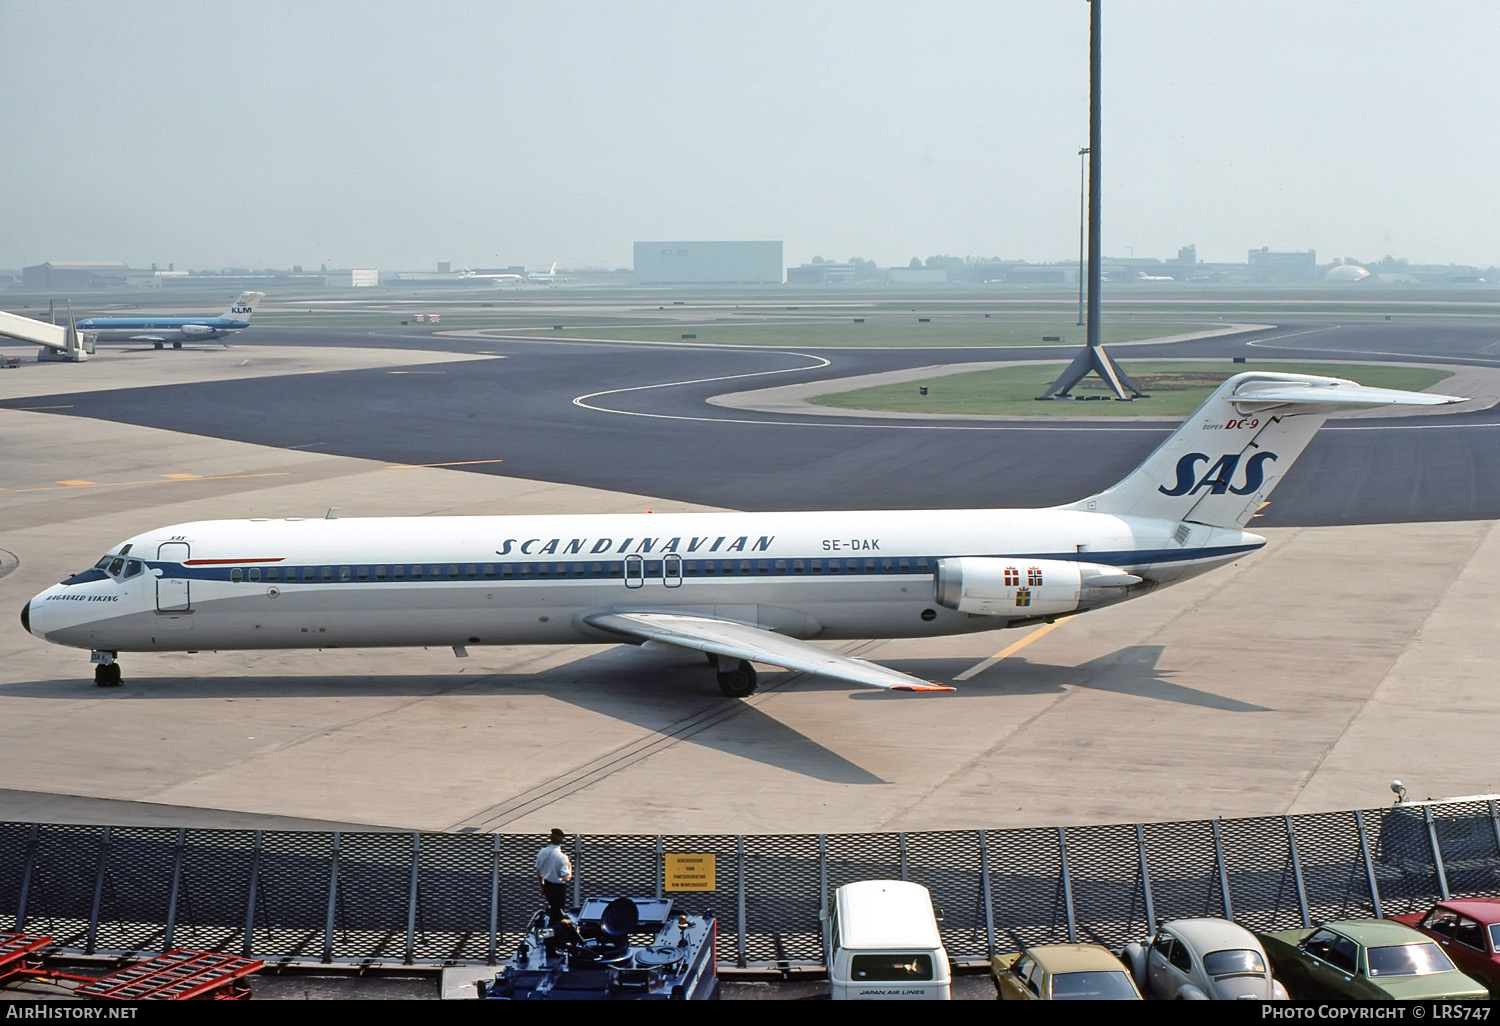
1468	929
1198	959
1059	972
1366	959
884	943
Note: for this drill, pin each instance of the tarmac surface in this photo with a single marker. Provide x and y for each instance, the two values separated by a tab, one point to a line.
1301	679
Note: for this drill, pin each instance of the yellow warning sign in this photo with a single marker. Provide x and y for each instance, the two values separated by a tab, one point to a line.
689	872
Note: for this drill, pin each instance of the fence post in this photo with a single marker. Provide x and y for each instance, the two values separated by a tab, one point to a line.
901	847
1140	847
1291	840
333	897
984	889
1364	851
1495	823
411	899
1223	872
577	863
254	893
739	849
177	856
823	897
1067	883
31	845
661	868
1437	854
93	931
494	898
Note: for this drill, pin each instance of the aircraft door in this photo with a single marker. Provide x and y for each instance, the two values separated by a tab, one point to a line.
635	571
172	593
671	570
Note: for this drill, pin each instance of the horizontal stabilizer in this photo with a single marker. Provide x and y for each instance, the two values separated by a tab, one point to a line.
743	641
1332	391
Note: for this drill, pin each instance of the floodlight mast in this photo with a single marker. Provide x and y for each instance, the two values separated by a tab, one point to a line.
1095	254
1092	358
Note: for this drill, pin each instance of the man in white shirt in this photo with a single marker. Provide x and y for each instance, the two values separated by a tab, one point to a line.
553	871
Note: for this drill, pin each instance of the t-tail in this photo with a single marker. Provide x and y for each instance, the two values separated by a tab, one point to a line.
1220	466
243	307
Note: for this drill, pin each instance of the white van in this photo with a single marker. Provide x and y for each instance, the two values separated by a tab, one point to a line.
883	942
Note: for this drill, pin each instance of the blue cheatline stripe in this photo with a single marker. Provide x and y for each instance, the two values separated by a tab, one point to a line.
167	322
691	569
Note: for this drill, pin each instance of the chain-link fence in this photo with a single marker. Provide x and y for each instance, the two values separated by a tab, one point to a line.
409	899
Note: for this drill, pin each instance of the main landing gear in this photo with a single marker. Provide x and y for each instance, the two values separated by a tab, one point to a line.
736	677
106	670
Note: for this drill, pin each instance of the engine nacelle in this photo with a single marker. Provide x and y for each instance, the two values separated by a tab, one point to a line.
1026	588
197	330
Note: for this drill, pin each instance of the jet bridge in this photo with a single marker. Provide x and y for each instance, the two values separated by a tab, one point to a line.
57	341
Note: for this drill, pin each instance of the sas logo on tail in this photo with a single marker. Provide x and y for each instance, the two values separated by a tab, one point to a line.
1218	478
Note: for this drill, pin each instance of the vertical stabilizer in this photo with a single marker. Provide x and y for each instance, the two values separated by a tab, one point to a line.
244	306
1221	464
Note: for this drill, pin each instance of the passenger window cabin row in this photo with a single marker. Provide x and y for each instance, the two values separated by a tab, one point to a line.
672	567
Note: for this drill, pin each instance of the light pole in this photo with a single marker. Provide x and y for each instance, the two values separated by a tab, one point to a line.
1082	220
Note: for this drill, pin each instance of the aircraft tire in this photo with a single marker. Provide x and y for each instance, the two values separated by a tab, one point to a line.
739	682
107	675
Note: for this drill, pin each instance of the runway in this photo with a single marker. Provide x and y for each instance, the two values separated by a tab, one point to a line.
1301	679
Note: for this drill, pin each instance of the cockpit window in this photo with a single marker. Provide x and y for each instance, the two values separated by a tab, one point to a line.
97	572
109	565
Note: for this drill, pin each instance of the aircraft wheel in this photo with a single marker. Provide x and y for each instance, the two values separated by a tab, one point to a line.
176	345
107	675
159	346
739	682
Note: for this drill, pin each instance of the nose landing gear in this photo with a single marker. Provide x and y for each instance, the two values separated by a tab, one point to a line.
106	670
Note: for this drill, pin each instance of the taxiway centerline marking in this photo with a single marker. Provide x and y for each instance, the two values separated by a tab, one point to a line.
980	667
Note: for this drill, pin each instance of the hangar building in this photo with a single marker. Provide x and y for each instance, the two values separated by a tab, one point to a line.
708	263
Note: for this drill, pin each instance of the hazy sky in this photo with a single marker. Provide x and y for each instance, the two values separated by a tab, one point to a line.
397	134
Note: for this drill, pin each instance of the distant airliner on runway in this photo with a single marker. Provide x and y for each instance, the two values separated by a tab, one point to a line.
735	586
175	330
498	277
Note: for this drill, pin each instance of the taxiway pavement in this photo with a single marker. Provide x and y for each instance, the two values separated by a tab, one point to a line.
1302	679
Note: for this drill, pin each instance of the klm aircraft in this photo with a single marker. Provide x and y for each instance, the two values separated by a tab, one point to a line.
737	587
175	330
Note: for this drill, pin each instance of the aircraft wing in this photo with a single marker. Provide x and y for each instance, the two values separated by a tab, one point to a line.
742	641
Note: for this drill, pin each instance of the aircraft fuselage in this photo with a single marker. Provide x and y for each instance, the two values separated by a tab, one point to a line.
357	582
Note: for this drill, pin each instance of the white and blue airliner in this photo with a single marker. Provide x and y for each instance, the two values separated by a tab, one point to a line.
738	587
176	330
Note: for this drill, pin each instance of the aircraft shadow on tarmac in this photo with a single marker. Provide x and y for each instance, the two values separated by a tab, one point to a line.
1132	670
671	695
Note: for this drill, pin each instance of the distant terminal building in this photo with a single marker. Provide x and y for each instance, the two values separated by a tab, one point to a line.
708	263
55	276
1267	266
826	273
1346	273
